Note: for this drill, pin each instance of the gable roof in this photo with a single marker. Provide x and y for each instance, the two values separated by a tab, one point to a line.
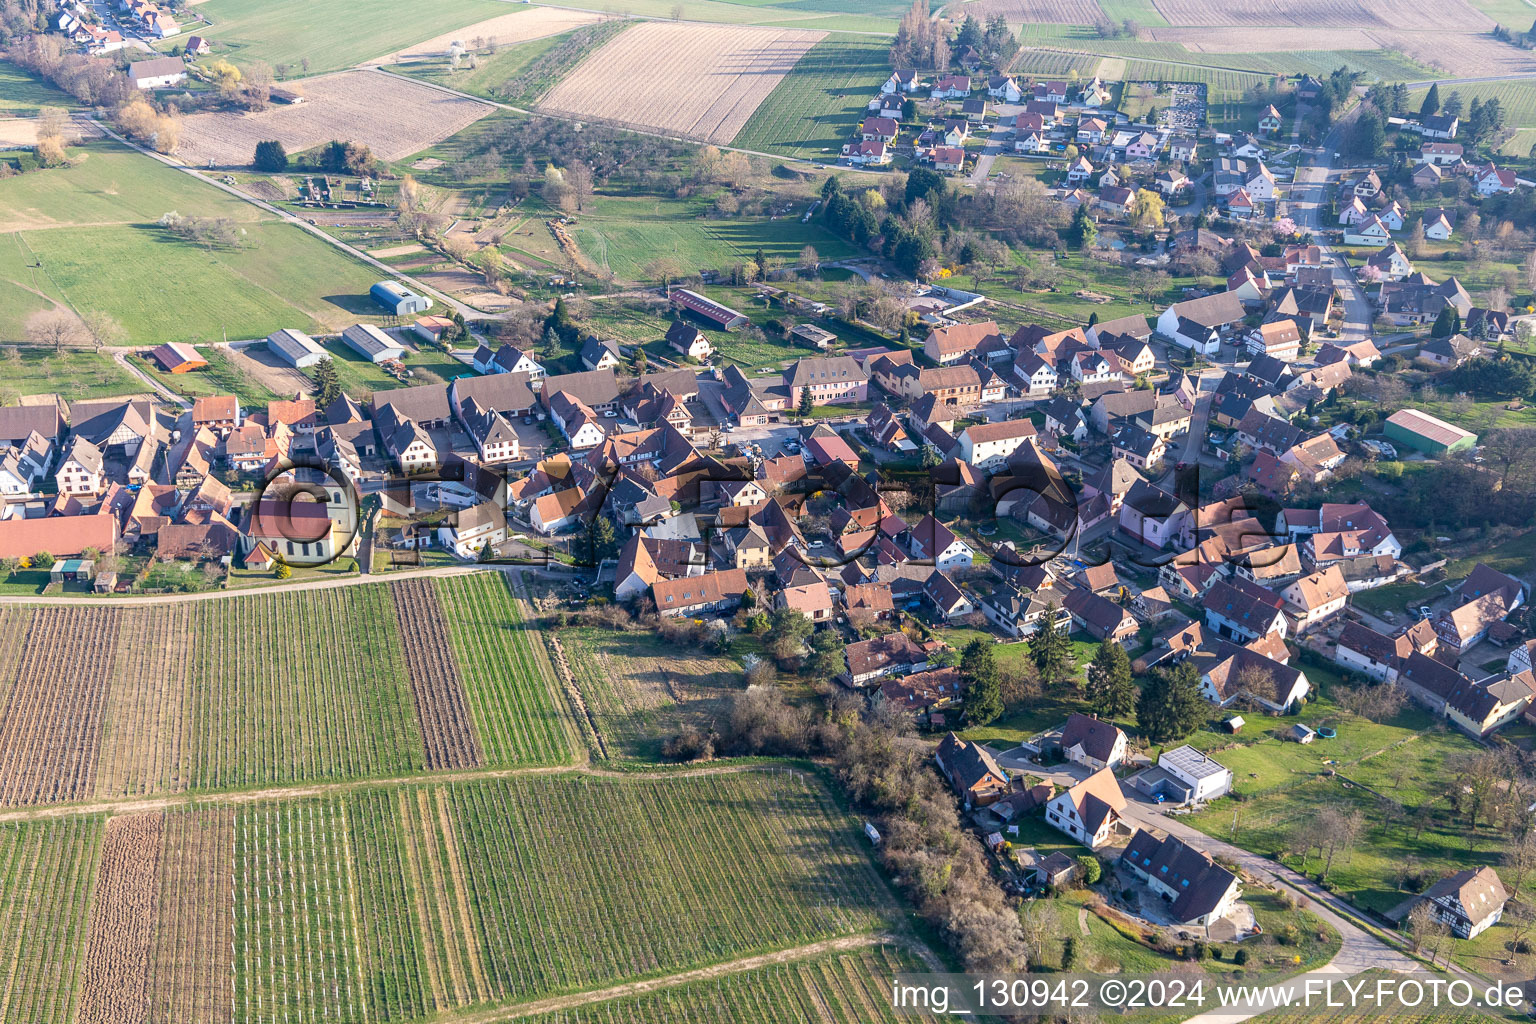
1097	738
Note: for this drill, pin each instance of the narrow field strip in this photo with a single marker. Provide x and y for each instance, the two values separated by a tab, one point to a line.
447	731
47	876
192	966
115	987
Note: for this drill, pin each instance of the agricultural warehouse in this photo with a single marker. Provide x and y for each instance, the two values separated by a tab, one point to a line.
372	344
295	348
174	357
399	299
1426	433
721	316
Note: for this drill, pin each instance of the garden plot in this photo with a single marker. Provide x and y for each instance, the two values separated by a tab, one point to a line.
695	80
532	23
393	116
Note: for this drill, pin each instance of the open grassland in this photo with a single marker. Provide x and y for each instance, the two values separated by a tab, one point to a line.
22	93
1035	12
330	34
502	30
506	674
641	691
86	237
161	288
270	688
393	116
47	873
520	73
811	111
396	904
846	988
622	235
698	81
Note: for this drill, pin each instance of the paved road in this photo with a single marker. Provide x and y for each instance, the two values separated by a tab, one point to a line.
120	356
1308	196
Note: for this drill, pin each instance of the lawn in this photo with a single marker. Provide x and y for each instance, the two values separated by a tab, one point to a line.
219	377
73	373
810	113
22	93
313	36
359	376
163	289
519	73
87	236
621	234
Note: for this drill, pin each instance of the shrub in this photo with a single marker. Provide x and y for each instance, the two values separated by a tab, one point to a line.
1240	957
1091	869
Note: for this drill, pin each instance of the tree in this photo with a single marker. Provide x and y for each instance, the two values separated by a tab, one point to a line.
54	328
1050	649
327	382
810	259
601	539
1431	104
826	654
806	402
1338	831
1367	136
1149	210
983	688
789	629
1170	707
1445	323
1111	693
1089	867
102	329
282	571
270	157
1084	232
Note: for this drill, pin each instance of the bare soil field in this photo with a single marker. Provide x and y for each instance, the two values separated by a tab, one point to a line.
143	742
50	729
1244	40
392	115
447	729
1398	15
115	986
396	250
699	81
1460	53
262	366
192	954
1038	12
531	23
22	131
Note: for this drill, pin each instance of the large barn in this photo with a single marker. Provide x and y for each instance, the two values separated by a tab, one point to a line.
399	299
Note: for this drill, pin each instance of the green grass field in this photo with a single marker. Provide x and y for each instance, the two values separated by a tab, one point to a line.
331	34
810	113
621	235
86	236
22	93
73	373
49	870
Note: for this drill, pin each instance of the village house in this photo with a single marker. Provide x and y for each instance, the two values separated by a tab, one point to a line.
1200	891
468	532
1315	598
1091	742
987	446
1468	902
972	771
1090	811
713	593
